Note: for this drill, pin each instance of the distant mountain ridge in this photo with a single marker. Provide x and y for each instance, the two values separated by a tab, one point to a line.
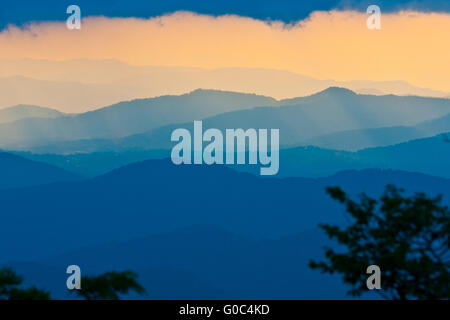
19	112
427	156
81	84
353	140
17	172
300	120
126	118
303	161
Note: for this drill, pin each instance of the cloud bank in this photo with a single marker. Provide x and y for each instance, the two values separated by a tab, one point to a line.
336	45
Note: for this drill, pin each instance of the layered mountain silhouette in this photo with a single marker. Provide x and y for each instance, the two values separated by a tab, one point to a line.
353	140
157	196
300	120
81	85
97	189
429	155
126	118
168	223
16	172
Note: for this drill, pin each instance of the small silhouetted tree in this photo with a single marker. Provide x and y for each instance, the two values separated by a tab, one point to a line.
108	286
407	237
10	288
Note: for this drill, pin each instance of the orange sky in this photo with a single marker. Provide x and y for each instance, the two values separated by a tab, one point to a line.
336	45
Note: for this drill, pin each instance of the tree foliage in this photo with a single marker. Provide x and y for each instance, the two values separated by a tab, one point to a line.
10	288
407	237
109	286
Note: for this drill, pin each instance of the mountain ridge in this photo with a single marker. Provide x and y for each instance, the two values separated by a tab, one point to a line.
104	82
126	118
18	172
298	123
354	140
21	111
155	195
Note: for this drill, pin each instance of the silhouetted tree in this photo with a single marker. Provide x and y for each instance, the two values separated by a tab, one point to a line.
10	290
407	237
108	286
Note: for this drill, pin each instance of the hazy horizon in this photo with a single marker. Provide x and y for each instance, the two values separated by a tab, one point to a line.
80	85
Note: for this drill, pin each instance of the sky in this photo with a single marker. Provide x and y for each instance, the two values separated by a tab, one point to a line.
319	39
20	12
